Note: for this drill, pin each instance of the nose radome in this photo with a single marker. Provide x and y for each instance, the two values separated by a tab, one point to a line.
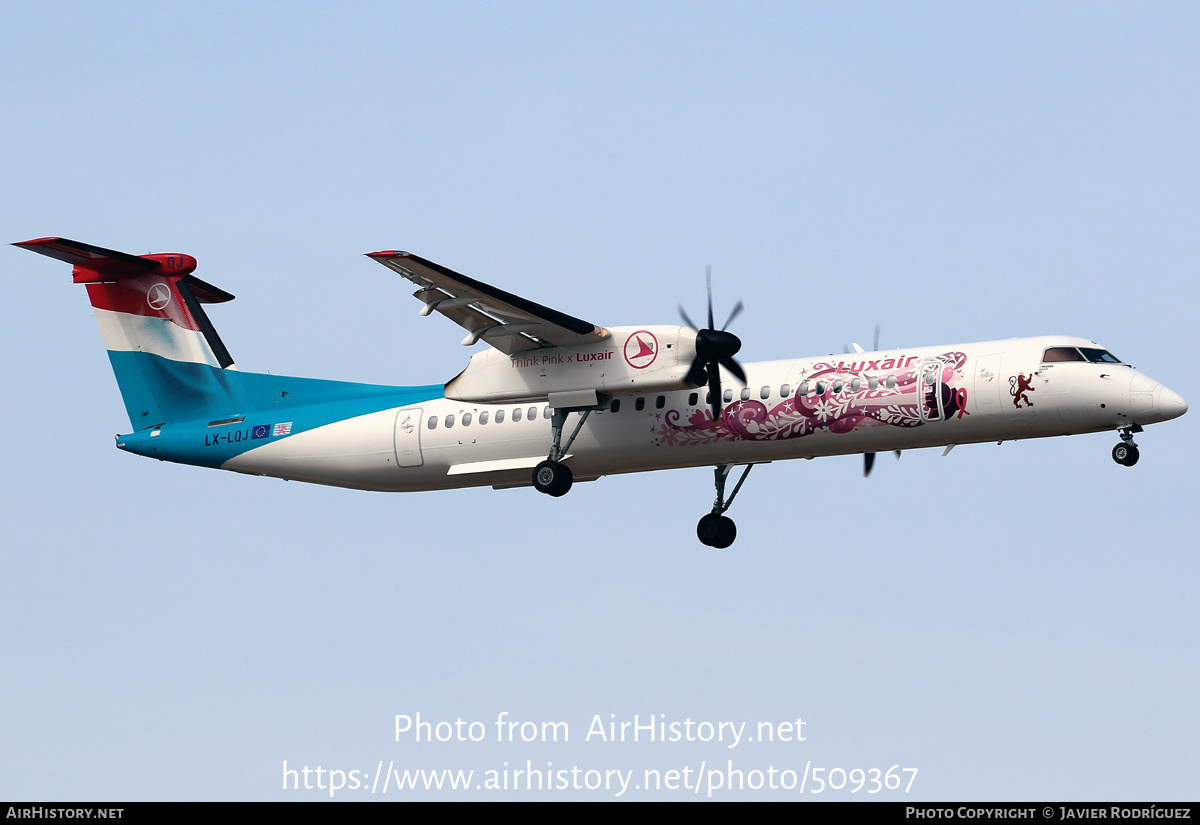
1171	404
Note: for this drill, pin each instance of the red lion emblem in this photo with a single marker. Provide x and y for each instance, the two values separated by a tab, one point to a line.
1018	387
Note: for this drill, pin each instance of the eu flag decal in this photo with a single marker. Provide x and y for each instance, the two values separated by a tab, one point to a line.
261	431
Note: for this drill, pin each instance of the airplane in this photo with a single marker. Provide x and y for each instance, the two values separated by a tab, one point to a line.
640	398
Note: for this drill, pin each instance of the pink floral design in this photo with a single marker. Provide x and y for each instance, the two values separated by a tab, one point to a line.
838	412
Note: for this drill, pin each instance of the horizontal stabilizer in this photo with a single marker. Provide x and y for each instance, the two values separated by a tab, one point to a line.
95	264
98	259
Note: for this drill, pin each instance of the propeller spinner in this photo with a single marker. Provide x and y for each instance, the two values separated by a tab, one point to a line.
715	348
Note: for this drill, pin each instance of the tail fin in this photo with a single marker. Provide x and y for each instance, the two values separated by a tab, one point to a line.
169	362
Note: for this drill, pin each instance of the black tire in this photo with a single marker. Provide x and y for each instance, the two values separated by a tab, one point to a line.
716	531
726	533
708	530
552	478
1125	454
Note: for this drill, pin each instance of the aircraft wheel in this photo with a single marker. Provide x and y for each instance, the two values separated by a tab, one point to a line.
1125	454
552	478
716	531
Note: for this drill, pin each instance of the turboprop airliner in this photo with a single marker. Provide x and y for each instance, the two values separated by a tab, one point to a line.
554	399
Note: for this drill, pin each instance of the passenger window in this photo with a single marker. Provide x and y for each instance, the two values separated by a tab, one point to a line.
516	414
872	383
764	393
802	389
745	394
466	420
930	378
433	422
837	386
449	421
785	390
639	404
820	388
708	398
660	402
546	412
693	398
615	406
532	413
891	382
728	396
483	417
856	384
499	416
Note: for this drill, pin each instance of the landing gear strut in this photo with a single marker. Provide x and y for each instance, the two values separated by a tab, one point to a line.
1126	453
716	529
552	477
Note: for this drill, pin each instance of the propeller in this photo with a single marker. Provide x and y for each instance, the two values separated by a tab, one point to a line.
869	458
715	348
869	462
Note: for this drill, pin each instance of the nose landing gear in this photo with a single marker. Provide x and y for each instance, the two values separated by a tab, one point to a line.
1126	453
716	529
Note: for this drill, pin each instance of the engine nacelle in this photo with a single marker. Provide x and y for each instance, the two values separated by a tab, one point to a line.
631	360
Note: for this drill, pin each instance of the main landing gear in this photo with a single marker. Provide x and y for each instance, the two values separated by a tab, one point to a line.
552	477
716	529
1126	453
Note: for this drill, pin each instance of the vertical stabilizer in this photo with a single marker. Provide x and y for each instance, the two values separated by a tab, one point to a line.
169	361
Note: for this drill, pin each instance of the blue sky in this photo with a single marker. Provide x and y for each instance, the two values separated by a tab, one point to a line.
1016	622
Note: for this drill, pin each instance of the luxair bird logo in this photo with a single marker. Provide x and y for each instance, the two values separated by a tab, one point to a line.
158	297
641	348
1018	387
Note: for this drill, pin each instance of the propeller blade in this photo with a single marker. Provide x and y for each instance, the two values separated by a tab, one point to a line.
897	455
737	310
708	280
697	375
876	338
714	391
686	319
868	463
735	368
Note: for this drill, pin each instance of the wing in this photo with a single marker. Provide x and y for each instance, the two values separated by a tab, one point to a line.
508	322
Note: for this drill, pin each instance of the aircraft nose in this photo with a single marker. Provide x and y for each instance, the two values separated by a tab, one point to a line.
1171	404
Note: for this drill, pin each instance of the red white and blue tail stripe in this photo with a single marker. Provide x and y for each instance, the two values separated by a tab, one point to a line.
167	356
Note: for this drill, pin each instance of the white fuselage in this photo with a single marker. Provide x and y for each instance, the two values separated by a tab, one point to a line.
803	408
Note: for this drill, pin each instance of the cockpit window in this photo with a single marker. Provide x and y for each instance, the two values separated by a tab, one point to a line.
1055	354
1100	356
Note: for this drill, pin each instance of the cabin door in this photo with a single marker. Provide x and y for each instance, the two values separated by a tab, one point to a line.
407	437
987	384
